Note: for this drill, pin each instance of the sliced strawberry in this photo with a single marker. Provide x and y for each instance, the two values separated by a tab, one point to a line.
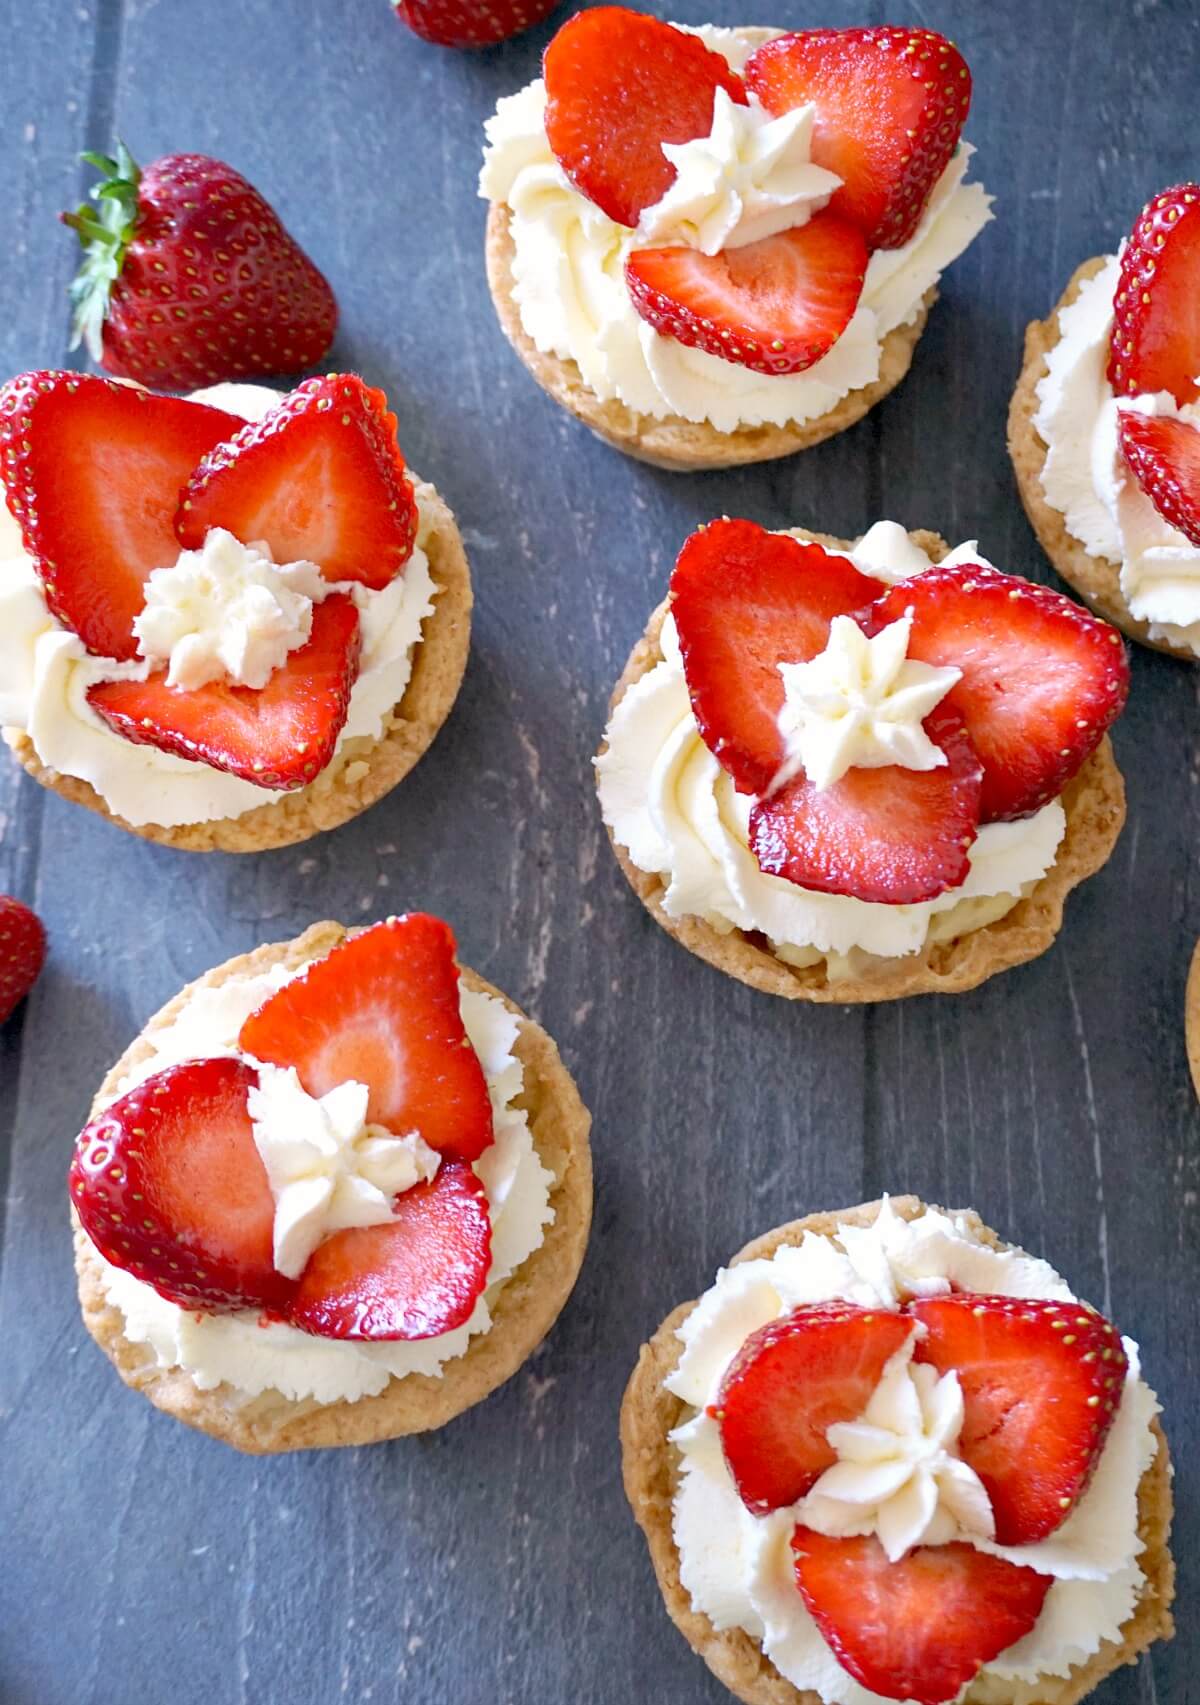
320	478
919	1629
417	1276
788	1384
279	736
775	306
618	85
92	472
1041	1382
1042	679
169	1186
383	1009
1156	334
1164	454
745	601
891	104
891	835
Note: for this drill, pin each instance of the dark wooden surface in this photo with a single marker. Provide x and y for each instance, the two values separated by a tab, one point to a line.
496	1560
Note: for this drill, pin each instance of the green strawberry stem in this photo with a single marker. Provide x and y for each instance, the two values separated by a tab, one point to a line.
105	231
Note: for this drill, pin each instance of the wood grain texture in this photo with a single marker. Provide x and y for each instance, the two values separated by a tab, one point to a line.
496	1561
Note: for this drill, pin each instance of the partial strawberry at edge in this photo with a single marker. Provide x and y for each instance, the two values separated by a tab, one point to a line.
383	1008
92	472
1156	332
22	953
919	1629
744	601
279	737
466	23
1164	454
1042	678
891	104
618	85
776	306
320	478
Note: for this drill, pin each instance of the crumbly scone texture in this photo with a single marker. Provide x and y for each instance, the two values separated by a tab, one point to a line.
363	770
1094	802
651	1470
1096	579
522	1314
1192	1017
686	446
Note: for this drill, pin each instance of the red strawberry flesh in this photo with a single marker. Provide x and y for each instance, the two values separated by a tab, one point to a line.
465	23
22	953
1156	335
1164	454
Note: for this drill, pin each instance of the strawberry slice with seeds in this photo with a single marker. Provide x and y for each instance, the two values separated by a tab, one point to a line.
788	1384
383	1009
416	1276
279	736
745	601
776	306
321	479
1042	679
891	104
92	473
1041	1382
169	1186
1164	454
1156	335
893	836
919	1629
618	85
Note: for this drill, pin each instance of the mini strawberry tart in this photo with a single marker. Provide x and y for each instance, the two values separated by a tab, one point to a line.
716	246
853	772
889	1457
1104	428
226	622
337	1191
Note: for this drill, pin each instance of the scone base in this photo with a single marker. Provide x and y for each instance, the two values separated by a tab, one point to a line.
439	662
524	1311
651	1468
1095	808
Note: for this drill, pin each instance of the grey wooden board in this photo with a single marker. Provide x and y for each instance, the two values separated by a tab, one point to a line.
496	1560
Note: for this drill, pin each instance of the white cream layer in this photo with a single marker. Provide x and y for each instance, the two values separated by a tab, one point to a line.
569	263
737	1567
45	673
253	1358
677	813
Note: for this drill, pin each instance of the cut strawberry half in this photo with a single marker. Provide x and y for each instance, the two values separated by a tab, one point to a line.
919	1629
279	736
1156	335
417	1276
1041	1382
1042	679
776	306
384	1009
891	104
745	601
618	85
92	472
1164	454
788	1384
892	835
320	479
169	1186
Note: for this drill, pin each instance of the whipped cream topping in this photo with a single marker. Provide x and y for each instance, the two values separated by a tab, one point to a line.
45	672
737	1567
1087	479
252	1357
860	703
328	1168
569	258
674	809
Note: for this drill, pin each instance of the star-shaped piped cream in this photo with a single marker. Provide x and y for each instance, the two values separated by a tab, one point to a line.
860	704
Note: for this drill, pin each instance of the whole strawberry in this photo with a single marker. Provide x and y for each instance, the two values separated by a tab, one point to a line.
189	278
22	953
470	23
